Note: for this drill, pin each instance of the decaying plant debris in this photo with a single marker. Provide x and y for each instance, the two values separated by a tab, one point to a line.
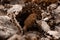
29	19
